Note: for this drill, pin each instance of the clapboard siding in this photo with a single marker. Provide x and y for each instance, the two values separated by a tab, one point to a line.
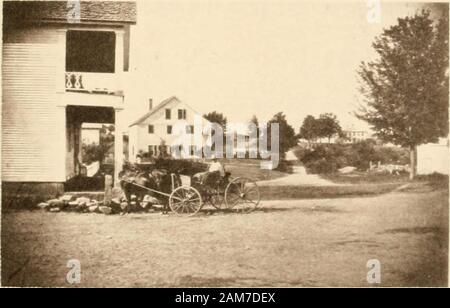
38	35
33	126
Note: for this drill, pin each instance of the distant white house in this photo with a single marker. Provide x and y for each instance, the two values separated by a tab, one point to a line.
355	136
433	157
351	135
170	123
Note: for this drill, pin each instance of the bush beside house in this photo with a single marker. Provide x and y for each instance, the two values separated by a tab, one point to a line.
182	166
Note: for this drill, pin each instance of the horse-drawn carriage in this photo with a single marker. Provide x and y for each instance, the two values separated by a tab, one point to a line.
187	195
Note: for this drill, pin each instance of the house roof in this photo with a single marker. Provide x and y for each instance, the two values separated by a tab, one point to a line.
156	109
90	11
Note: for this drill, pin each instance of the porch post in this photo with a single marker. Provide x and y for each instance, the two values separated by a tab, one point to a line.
119	58
65	172
118	146
61	61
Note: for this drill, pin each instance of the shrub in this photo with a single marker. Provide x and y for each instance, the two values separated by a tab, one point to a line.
182	166
324	159
328	158
93	152
435	180
392	155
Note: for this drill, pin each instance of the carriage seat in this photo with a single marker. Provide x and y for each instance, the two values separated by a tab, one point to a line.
211	178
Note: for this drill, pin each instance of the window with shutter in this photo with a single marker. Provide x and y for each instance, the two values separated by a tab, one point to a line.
181	114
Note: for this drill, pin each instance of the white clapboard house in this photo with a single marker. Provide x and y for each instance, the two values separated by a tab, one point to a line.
63	65
170	124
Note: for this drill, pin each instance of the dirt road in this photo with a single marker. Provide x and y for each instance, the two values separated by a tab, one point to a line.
286	243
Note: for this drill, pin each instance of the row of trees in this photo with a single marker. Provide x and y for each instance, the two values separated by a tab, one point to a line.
287	136
325	126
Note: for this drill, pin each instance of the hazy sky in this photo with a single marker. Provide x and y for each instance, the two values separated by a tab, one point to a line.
254	57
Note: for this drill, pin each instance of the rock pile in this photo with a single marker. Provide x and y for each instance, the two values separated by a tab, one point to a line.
69	203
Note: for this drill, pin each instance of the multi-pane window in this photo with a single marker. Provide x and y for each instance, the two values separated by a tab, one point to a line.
181	114
151	129
168	114
169	129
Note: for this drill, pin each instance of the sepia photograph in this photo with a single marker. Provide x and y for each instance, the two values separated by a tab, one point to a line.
229	144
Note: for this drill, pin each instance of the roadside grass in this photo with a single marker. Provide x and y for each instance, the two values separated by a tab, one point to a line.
358	177
358	184
251	169
427	183
326	192
436	180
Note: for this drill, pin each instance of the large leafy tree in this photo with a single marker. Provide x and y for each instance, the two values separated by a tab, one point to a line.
406	87
287	136
328	126
309	129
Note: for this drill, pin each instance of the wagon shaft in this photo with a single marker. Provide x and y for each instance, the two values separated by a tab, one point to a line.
146	188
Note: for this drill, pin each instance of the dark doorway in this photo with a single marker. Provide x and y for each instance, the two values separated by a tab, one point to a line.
89	159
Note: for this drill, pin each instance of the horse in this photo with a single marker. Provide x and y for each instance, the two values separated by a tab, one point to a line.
157	179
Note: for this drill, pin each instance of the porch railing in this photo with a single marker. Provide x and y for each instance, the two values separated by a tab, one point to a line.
74	81
89	82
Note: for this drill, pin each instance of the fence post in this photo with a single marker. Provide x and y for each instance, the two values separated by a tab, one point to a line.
108	189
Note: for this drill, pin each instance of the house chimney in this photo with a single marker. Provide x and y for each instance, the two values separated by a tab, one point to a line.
150	103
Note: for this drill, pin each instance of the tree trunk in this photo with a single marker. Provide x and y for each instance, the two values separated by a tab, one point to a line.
412	162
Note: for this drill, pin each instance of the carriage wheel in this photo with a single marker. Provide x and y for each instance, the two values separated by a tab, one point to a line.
242	195
185	201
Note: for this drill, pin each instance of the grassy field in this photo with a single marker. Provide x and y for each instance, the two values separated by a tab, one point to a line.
250	168
436	179
356	184
365	178
325	192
